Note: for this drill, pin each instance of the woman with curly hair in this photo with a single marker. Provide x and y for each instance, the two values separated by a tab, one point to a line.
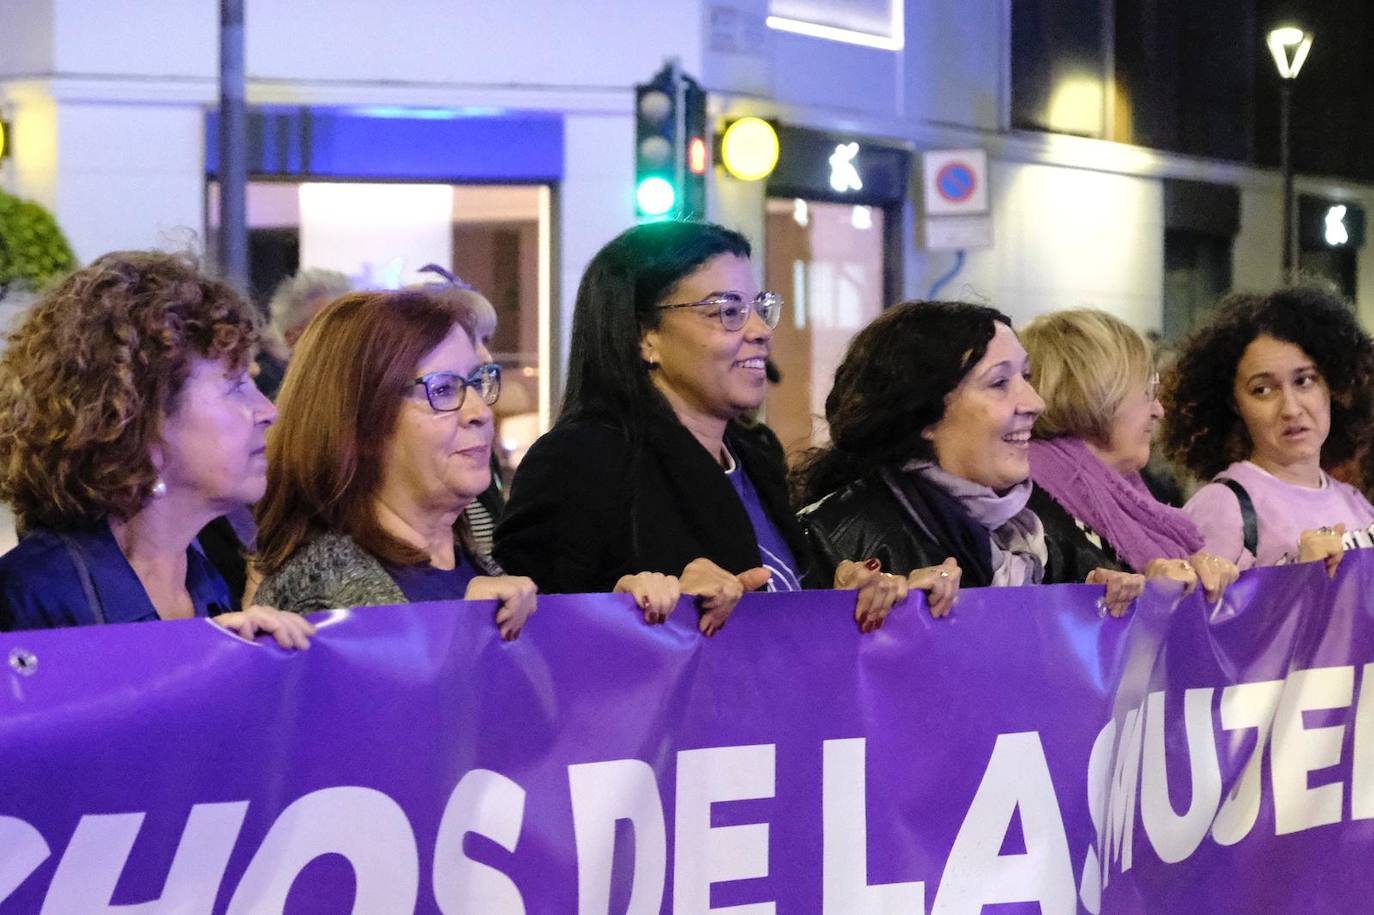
128	421
930	426
1262	400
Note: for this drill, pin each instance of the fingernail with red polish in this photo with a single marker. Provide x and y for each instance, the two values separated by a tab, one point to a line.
872	564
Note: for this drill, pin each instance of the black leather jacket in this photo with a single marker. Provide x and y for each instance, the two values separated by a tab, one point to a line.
864	519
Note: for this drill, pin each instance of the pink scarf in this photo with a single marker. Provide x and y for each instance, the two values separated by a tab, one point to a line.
1119	508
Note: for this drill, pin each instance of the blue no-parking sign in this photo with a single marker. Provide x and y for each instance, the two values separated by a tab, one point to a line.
955	182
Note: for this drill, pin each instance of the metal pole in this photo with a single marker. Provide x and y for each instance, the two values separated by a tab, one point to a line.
679	90
1286	164
233	147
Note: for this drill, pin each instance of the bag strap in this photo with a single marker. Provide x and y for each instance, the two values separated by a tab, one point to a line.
1249	522
83	573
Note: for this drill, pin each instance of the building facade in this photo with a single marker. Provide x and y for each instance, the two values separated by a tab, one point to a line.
498	139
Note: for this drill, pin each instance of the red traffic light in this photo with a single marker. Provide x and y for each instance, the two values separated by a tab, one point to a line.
696	156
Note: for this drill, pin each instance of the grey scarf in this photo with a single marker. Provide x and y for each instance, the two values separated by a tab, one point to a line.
1016	534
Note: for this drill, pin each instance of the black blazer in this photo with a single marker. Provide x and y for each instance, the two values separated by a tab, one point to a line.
588	506
864	519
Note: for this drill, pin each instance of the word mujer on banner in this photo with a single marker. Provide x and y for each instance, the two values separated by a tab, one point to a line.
1227	736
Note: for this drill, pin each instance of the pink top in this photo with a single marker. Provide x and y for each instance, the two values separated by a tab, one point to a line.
1282	512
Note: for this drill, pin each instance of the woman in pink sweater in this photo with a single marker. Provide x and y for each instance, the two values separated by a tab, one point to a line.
1264	398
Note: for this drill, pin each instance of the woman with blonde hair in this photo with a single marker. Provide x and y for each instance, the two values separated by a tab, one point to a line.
128	421
1096	376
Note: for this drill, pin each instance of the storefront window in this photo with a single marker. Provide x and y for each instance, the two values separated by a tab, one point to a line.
826	260
495	237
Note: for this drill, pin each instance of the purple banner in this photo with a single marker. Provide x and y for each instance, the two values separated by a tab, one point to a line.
1024	755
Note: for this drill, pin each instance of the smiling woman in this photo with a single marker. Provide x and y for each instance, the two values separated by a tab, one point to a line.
930	423
1097	378
385	438
656	480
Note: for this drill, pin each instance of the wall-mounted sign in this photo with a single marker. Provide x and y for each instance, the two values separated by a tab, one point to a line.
821	165
955	182
844	176
1324	223
1336	232
954	197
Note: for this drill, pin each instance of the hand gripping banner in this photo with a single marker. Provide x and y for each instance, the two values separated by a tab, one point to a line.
1025	755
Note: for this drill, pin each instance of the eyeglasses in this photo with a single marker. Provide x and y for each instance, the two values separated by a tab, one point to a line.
446	391
1152	388
733	310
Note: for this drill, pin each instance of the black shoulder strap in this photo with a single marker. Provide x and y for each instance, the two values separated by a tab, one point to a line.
83	572
1249	523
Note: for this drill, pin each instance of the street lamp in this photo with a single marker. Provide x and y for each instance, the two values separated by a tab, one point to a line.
1289	45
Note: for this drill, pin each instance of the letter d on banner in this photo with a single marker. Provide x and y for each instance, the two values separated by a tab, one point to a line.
602	794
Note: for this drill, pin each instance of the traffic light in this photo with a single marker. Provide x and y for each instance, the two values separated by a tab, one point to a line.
671	152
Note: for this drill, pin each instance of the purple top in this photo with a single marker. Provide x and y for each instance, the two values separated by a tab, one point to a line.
1282	512
774	552
422	583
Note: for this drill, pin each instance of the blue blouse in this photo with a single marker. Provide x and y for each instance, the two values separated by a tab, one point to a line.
41	588
423	583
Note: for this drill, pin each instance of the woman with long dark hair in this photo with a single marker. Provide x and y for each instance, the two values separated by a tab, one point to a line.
650	473
930	425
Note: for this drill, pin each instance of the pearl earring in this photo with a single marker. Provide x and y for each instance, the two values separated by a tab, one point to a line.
159	488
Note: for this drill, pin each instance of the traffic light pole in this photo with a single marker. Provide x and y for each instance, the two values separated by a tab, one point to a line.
680	132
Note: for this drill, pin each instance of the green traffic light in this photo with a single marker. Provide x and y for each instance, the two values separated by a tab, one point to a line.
655	196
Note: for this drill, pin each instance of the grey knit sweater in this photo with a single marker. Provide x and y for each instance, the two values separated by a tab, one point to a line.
332	571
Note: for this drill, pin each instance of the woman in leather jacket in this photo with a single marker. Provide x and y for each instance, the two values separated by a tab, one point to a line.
930	423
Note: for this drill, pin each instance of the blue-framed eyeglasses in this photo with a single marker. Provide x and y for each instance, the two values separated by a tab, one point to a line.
733	310
445	391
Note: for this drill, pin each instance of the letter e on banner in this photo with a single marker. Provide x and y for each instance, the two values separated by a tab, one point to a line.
703	854
602	794
1298	750
1017	776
